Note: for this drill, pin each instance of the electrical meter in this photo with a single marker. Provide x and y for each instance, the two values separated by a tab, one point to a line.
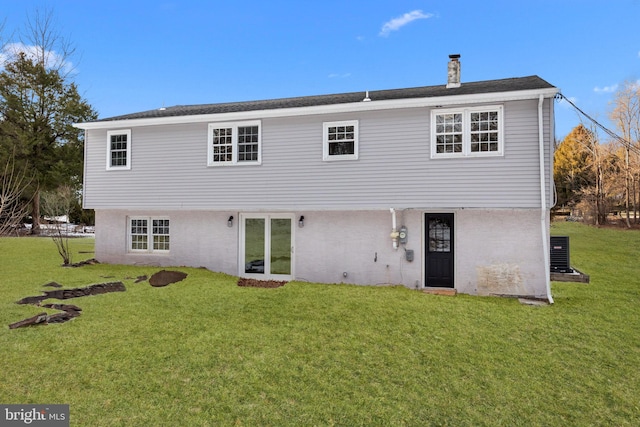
402	235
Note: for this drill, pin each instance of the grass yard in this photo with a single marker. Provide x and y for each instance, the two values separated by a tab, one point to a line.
205	352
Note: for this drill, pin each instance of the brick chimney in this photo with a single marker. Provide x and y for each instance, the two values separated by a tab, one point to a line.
453	71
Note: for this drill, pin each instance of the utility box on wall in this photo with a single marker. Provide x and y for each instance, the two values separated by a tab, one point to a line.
560	261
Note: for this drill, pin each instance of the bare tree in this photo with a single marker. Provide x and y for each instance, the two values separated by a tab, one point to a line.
13	206
41	42
598	195
626	116
56	205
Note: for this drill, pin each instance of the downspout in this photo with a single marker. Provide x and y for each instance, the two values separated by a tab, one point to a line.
543	207
84	167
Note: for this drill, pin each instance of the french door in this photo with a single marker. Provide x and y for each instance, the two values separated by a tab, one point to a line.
266	246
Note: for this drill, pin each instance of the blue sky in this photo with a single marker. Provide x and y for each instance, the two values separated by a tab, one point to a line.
138	55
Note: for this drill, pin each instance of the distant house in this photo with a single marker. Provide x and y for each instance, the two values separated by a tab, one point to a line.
443	186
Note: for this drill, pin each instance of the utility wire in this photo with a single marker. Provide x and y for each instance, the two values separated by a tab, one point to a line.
609	132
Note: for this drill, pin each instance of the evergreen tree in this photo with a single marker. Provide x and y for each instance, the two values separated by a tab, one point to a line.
38	106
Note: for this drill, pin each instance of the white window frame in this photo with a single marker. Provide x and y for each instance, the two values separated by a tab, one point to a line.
466	131
111	133
325	141
234	143
149	234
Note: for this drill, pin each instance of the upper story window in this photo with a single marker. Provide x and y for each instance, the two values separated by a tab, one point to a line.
119	149
476	131
340	140
234	143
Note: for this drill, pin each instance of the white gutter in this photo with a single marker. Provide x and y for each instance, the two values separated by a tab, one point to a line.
543	207
351	107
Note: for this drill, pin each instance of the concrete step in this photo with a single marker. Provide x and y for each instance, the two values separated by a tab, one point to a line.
440	291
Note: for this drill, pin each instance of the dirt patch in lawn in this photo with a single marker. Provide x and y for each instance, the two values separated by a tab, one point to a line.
100	288
67	311
165	277
254	283
91	261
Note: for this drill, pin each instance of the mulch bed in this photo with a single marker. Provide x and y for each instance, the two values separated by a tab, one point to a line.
254	283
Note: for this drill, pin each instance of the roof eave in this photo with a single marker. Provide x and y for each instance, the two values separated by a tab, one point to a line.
327	109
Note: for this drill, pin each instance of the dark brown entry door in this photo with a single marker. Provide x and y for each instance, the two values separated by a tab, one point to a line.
439	251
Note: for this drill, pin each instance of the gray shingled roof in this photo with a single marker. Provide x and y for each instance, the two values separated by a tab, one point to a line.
489	86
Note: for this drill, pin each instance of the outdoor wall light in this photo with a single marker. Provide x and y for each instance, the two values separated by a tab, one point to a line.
230	221
301	221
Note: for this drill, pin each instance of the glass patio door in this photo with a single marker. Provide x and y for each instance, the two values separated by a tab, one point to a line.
266	246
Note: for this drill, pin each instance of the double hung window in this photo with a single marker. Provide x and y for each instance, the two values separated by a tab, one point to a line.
234	143
119	149
340	140
148	234
461	132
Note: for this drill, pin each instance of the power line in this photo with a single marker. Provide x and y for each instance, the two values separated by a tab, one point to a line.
606	130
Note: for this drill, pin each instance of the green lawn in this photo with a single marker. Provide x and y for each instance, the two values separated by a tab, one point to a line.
207	352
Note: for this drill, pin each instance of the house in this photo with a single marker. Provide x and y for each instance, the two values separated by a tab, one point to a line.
443	186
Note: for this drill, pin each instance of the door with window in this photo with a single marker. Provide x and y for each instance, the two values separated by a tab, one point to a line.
266	246
439	252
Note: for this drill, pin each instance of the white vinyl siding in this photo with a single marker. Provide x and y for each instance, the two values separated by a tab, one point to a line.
119	149
234	143
394	167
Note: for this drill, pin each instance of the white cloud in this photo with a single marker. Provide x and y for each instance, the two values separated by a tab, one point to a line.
51	57
339	76
606	89
396	23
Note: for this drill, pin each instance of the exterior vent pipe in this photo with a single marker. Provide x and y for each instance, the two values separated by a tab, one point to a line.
394	230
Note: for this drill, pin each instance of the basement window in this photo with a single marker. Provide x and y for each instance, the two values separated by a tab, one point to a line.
148	234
